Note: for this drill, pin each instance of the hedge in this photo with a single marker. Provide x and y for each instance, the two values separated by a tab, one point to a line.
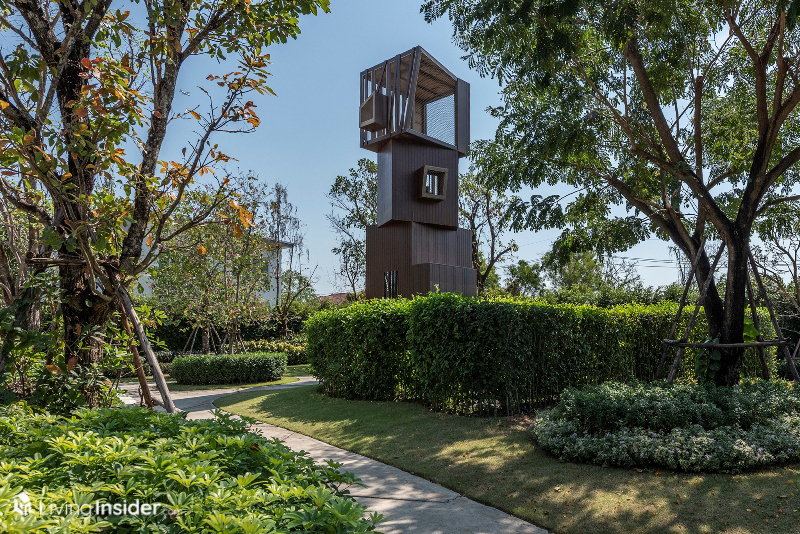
205	476
361	351
202	369
489	356
295	352
175	333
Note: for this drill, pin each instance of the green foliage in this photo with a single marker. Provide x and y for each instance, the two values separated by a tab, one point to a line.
354	199
656	119
202	369
216	273
502	355
207	476
525	279
176	331
608	296
62	390
489	356
295	352
65	132
681	425
360	351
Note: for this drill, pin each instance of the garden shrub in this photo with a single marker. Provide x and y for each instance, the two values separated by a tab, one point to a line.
203	369
682	425
503	355
491	356
207	476
360	351
295	352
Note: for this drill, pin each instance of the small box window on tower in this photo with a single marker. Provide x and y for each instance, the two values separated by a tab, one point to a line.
434	182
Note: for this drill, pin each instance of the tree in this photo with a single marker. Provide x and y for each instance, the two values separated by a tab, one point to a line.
216	273
583	271
779	258
484	211
81	83
524	279
682	116
354	199
294	282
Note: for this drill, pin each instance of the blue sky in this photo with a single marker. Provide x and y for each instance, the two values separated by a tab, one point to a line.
309	133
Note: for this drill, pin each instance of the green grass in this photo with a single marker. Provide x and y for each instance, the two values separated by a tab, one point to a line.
173	386
291	374
494	461
298	370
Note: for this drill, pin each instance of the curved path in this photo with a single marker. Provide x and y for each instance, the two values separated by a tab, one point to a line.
409	503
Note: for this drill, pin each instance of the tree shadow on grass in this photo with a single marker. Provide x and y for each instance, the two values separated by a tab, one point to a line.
494	461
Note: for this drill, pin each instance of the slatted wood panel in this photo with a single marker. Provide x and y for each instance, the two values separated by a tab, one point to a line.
403	160
431	244
411	80
388	249
462	118
446	278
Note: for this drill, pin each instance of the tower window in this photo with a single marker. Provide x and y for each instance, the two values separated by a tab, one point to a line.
434	182
390	284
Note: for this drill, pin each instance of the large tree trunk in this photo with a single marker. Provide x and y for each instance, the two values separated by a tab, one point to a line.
726	319
732	328
85	316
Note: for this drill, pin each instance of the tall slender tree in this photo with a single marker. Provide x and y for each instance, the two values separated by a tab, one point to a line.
354	199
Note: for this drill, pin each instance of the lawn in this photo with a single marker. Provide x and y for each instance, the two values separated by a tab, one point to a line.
291	374
493	460
174	386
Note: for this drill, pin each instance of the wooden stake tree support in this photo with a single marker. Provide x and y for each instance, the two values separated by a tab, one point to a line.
161	383
759	344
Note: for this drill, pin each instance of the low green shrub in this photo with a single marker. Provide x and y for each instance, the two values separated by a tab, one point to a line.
206	476
662	406
361	351
203	369
295	352
125	371
684	425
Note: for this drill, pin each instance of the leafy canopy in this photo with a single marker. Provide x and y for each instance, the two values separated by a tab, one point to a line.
662	115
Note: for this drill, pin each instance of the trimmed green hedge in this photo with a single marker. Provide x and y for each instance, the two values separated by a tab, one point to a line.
203	476
489	356
202	369
360	351
295	352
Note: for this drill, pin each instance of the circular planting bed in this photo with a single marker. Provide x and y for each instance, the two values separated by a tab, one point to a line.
682	425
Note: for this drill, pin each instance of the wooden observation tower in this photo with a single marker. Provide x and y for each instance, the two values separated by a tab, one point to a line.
415	114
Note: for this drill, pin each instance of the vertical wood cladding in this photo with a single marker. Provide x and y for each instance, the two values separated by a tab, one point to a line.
424	257
399	183
415	236
462	117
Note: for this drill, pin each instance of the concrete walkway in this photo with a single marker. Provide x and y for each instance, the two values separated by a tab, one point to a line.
409	503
